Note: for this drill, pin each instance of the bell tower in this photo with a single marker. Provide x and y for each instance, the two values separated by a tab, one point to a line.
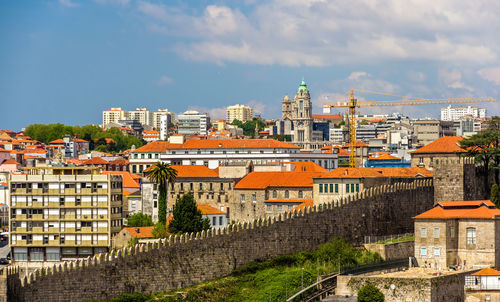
302	115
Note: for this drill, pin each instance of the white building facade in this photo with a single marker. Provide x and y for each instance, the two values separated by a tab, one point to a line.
457	113
193	122
113	116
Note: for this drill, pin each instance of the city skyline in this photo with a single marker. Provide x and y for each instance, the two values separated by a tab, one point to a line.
67	61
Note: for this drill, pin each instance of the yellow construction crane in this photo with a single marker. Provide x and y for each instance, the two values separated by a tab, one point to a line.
352	103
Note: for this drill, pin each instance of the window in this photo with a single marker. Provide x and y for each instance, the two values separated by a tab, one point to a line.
254	197
357	187
336	188
352	188
191	186
423	251
287	194
471	235
437	251
301	194
275	194
321	188
220	220
221	186
436	232
150	155
201	186
211	186
423	232
347	188
242	198
214	221
420	160
280	207
331	188
269	207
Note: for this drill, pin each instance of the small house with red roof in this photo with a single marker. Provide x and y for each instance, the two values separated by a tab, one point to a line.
458	233
10	165
143	234
446	147
217	218
483	285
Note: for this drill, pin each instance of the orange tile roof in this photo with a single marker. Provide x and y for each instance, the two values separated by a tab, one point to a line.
79	140
140	232
118	161
33	157
445	144
109	140
57	141
128	181
307	166
402	172
3	150
262	180
96	161
4	184
301	207
10	162
327	116
209	210
195	171
383	156
487	271
150	132
478	209
161	146
287	200
75	161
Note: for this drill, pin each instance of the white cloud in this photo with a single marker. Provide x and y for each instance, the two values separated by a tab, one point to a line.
326	33
214	113
164	80
453	79
68	3
491	74
119	2
356	75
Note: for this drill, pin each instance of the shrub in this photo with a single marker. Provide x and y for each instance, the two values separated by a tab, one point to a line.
370	293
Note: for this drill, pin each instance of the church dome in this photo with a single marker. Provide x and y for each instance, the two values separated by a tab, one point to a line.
302	87
286	98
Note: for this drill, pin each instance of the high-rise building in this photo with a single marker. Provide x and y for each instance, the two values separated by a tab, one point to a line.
457	113
193	122
59	213
165	121
113	116
157	118
143	115
239	112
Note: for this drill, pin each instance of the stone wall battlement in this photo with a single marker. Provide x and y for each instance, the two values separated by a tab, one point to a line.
183	260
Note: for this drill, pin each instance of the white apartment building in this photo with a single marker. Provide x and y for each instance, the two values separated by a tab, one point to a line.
337	136
143	115
113	116
157	118
193	122
239	112
214	153
457	113
165	121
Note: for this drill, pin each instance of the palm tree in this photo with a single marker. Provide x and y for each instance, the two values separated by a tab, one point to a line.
161	174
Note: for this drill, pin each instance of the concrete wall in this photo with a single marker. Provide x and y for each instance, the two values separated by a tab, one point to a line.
188	259
392	251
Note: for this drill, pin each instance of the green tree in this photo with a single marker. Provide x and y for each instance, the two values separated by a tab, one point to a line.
133	242
370	293
363	122
139	220
342	123
494	195
160	230
161	174
187	217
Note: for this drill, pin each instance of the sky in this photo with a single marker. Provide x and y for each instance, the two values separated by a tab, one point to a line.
68	60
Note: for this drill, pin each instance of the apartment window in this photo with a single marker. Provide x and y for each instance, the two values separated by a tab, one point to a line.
191	186
156	155
182	186
242	198
352	188
336	188
423	232
275	194
269	207
221	186
452	231
211	186
357	187
321	188
331	188
437	252
150	155
220	220
420	160
254	197
436	232
136	156
214	221
142	155
423	251
45	239
325	187
280	208
471	235
301	194
287	194
347	188
201	186
134	168
432	161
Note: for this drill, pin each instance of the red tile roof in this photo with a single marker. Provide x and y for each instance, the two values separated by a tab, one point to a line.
262	180
79	140
403	172
195	171
161	146
118	161
140	232
383	156
327	116
301	207
96	161
479	209
128	181
209	210
445	144
307	166
33	157
10	162
3	150
57	141
487	271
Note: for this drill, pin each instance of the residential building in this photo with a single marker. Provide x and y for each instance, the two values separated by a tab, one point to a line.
457	113
446	147
337	136
68	146
113	116
426	131
157	115
59	213
151	135
143	234
133	200
215	152
483	285
342	182
142	115
218	219
458	233
239	112
193	122
165	122
10	165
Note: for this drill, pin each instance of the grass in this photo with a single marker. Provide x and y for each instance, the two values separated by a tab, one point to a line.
396	240
273	280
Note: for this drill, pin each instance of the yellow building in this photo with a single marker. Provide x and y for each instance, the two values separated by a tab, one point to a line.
239	112
113	116
58	213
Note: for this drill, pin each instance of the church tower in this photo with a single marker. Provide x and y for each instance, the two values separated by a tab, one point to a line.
302	116
286	108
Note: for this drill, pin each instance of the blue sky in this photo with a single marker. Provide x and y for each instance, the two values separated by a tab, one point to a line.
66	61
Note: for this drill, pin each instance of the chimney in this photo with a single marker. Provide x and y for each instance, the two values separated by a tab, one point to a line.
138	230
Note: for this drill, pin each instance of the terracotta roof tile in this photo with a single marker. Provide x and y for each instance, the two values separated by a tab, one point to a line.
487	271
460	209
403	172
140	232
209	210
10	162
301	207
445	144
327	116
96	161
118	161
57	141
307	166
128	181
262	180
195	171
383	156
3	150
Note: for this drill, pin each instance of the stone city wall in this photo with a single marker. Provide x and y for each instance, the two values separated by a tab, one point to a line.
180	261
392	251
